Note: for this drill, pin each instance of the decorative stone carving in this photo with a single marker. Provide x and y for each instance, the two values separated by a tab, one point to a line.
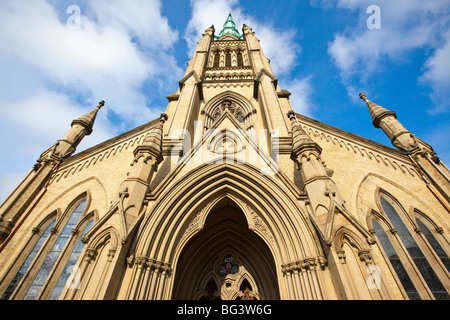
258	224
365	256
194	225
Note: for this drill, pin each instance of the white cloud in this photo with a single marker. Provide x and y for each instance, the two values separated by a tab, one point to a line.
406	25
437	75
301	92
52	74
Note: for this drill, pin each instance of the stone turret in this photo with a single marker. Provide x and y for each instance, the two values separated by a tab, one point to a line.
323	193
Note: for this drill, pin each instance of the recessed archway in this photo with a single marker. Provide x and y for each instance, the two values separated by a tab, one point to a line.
224	258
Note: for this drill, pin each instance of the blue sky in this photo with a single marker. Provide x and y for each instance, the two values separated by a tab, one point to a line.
133	53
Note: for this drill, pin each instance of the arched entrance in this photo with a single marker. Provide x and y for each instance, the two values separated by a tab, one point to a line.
226	261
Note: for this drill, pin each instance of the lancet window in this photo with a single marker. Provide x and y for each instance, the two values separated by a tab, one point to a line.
432	239
29	259
47	268
416	267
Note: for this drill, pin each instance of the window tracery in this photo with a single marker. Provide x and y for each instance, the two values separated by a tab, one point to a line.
246	292
228	267
211	291
434	243
228	105
228	280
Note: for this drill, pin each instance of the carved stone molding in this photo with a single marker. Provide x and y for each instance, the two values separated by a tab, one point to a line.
147	263
341	255
305	265
194	225
258	224
90	255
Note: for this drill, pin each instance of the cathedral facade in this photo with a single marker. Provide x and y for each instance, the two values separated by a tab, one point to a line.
230	195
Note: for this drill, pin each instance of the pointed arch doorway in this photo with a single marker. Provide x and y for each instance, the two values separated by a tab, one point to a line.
226	261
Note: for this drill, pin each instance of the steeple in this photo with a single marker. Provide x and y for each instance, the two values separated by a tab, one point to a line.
230	28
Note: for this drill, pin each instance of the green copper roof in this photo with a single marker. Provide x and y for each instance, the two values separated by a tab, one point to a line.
230	28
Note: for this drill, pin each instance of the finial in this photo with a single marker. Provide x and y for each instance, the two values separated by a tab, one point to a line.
363	96
101	104
291	115
163	117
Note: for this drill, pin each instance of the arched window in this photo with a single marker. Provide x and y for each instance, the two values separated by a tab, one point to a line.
24	268
246	291
234	104
211	291
402	238
440	252
50	261
228	58
395	261
68	269
233	108
43	274
240	60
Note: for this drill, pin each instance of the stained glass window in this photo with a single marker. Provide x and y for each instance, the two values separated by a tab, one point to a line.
50	260
228	267
66	278
434	244
23	269
421	262
396	263
239	117
211	291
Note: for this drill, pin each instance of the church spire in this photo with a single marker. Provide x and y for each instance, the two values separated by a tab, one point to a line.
87	121
377	112
229	27
80	128
386	120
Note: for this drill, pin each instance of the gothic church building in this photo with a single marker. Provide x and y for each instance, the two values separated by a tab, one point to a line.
230	195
